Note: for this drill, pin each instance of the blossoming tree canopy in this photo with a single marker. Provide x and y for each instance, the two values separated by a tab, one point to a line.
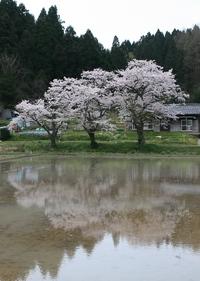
52	112
93	102
144	93
90	100
98	78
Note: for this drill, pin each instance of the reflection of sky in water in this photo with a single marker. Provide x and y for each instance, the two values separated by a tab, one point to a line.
101	219
124	263
180	189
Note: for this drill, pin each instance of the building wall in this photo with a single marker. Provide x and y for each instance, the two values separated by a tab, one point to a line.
156	127
6	114
175	126
195	128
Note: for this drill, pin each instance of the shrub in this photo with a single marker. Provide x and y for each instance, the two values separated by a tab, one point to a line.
4	122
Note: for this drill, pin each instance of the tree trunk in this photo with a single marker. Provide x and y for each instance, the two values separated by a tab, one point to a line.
53	135
53	141
93	143
141	138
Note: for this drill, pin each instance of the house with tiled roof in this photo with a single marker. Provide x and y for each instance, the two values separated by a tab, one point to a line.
188	120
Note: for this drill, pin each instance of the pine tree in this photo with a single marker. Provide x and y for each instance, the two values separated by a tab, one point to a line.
12	81
90	52
49	43
118	57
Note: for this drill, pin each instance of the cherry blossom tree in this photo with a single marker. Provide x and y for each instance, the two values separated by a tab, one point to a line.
92	111
93	102
52	112
90	100
144	93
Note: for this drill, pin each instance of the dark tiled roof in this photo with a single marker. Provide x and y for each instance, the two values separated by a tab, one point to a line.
187	109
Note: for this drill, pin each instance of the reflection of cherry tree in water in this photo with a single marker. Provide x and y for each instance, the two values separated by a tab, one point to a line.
28	241
37	244
26	238
142	201
104	196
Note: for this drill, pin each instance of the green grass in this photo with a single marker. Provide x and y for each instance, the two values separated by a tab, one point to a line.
120	135
109	142
151	137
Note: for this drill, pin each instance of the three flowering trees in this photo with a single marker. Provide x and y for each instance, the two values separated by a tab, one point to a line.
141	93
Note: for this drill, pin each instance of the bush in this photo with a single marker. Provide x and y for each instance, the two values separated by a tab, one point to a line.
4	122
4	134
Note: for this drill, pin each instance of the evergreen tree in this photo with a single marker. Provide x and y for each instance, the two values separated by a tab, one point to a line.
118	56
143	49
158	48
173	57
127	49
72	54
151	47
90	52
49	44
14	22
12	81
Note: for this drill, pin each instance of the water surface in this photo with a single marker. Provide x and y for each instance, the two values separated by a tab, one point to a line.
86	219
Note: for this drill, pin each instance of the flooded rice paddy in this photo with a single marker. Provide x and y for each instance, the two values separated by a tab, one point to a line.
86	219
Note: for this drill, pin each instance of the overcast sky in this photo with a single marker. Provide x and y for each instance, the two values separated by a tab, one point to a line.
128	19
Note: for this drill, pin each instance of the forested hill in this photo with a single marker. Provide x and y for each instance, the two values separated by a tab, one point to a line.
33	52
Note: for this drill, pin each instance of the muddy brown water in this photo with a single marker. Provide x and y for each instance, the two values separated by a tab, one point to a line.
86	219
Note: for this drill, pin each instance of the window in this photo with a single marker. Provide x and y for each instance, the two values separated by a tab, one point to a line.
186	124
148	126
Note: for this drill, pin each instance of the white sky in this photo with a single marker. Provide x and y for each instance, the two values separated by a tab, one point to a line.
128	19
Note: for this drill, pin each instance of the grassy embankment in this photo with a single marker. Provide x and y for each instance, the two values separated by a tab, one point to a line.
165	143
